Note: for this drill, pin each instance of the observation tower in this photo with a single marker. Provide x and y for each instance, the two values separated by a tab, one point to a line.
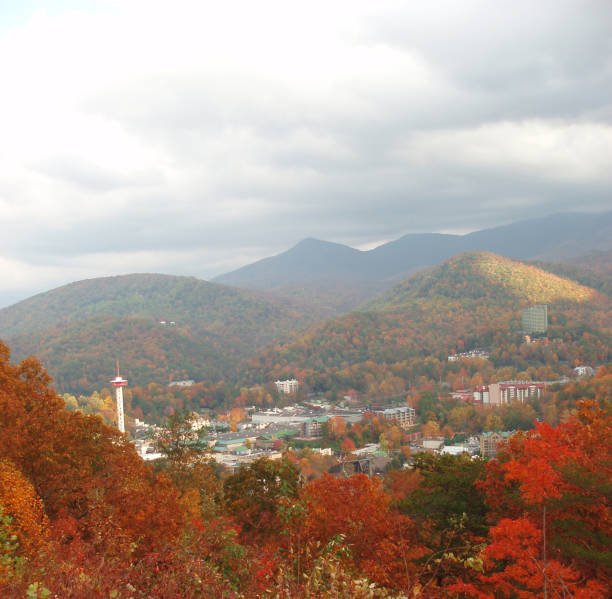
118	383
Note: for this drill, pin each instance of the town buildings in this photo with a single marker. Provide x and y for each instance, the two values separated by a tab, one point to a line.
584	371
482	354
313	428
463	394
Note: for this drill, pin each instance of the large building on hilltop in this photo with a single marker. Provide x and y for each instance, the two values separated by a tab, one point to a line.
535	319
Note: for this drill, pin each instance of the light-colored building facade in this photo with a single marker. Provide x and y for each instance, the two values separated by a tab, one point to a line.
482	354
287	387
509	391
481	395
403	416
490	442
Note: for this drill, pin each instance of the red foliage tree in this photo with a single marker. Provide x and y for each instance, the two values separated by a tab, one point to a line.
550	493
354	513
82	470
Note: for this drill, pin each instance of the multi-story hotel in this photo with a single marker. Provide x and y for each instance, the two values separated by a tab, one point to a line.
287	387
508	391
404	416
535	319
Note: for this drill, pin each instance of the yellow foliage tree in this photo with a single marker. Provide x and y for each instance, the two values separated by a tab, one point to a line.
431	429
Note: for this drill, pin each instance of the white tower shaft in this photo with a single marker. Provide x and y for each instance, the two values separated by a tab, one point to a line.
120	417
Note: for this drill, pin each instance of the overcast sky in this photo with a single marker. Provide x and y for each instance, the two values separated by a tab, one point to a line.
193	137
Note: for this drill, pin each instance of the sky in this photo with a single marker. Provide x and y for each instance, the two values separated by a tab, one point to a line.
193	137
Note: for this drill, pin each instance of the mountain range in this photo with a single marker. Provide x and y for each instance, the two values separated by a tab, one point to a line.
295	322
340	278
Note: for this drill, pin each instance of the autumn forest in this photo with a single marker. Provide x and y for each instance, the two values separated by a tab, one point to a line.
83	516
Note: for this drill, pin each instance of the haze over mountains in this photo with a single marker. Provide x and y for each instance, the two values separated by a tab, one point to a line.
342	277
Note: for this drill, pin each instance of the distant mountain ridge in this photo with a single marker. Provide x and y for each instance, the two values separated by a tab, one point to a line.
316	263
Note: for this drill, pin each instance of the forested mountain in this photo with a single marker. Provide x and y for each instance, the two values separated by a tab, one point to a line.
80	329
599	262
470	300
82	354
473	299
593	270
484	276
242	316
340	277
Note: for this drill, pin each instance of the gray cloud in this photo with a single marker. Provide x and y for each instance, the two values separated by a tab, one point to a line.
228	142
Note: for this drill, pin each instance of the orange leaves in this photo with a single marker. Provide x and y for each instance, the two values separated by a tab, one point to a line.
19	501
538	479
356	509
337	427
79	467
347	445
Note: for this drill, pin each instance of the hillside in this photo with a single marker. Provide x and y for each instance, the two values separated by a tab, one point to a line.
80	329
470	300
599	262
317	268
242	316
81	355
593	269
483	275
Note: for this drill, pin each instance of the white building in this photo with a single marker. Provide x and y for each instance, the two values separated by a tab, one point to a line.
584	371
187	383
287	387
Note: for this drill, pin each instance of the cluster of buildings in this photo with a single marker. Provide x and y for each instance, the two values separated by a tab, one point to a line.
483	354
485	445
186	383
504	392
265	432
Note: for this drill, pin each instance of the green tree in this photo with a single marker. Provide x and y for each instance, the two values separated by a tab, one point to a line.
447	498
